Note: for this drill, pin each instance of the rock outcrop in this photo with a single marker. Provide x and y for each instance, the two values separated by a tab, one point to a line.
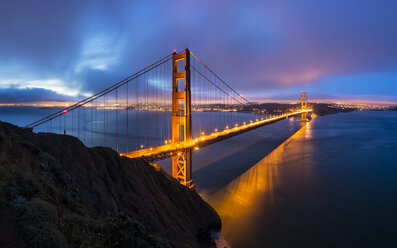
57	192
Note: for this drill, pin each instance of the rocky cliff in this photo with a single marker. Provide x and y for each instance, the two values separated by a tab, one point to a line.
55	192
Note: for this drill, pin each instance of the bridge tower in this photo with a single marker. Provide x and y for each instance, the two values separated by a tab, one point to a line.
181	118
304	106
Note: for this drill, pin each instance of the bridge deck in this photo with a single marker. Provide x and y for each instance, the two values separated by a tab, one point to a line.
164	151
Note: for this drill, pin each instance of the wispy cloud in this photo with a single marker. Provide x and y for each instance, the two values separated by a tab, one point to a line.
98	53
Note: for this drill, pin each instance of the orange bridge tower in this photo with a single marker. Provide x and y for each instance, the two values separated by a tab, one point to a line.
181	118
304	106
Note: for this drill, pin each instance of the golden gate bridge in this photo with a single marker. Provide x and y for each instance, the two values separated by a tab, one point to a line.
168	109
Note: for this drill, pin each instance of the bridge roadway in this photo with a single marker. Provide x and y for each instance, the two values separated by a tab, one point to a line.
167	150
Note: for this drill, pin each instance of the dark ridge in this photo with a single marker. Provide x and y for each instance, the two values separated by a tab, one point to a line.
56	192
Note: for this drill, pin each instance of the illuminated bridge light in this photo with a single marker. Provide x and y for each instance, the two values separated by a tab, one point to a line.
65	111
171	149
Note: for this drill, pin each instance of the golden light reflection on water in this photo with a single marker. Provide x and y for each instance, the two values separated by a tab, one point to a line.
239	202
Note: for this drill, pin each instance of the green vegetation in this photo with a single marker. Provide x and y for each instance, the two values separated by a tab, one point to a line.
56	192
39	221
49	218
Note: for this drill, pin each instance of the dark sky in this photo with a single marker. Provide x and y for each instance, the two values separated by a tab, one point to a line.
268	50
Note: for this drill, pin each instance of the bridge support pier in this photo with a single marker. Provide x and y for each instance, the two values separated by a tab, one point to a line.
181	118
181	167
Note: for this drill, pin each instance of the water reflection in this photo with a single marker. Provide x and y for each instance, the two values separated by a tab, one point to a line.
246	203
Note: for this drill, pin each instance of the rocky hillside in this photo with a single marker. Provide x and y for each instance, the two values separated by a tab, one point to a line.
55	192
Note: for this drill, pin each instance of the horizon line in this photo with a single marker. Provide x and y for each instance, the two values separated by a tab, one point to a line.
318	101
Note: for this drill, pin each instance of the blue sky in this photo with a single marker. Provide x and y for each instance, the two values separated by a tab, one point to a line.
268	50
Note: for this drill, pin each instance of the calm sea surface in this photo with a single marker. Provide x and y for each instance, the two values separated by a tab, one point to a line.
333	183
328	183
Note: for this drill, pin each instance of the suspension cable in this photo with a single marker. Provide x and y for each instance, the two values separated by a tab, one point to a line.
101	93
216	85
241	96
96	96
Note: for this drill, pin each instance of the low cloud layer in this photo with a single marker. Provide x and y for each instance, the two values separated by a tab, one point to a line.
31	95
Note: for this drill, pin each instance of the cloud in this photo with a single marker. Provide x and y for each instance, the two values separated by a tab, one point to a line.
264	45
54	85
97	53
30	95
